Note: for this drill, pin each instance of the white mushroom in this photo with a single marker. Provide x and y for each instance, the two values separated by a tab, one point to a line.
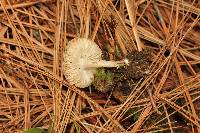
81	58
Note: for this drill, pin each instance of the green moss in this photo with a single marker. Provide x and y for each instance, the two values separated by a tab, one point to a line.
104	80
102	74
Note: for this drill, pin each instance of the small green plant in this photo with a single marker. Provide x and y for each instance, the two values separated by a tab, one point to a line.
33	130
76	127
135	112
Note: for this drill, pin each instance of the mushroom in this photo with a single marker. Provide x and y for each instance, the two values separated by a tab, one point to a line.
81	59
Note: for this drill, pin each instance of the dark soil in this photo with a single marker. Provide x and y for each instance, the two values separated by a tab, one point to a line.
138	67
122	80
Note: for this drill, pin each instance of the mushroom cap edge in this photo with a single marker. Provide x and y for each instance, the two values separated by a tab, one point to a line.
78	52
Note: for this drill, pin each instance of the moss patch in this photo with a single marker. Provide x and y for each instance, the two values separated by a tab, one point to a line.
104	80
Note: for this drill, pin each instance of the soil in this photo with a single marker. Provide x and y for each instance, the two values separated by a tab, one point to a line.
138	67
123	79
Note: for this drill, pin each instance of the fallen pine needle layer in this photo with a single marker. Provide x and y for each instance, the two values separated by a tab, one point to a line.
34	92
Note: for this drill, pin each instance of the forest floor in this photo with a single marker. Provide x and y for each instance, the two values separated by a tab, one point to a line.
159	91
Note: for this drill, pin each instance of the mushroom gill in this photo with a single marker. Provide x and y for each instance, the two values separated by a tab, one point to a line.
81	58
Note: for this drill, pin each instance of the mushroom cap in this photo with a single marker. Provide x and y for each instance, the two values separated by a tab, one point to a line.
78	52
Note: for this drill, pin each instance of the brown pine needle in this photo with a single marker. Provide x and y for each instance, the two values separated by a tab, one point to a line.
35	93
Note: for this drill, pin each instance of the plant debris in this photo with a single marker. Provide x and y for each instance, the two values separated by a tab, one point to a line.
123	79
157	92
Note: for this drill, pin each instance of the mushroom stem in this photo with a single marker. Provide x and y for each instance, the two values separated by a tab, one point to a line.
103	63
